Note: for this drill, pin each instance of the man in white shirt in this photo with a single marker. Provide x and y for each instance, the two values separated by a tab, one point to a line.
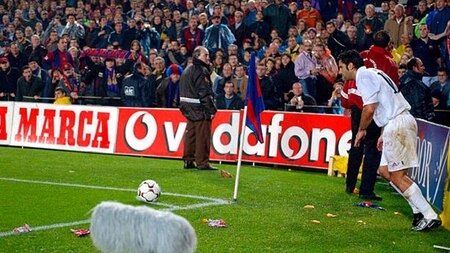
389	109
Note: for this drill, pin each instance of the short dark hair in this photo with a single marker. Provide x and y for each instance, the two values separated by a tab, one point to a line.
351	56
412	63
381	39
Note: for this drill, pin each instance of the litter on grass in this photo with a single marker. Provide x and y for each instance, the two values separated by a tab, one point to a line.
80	232
309	207
23	229
316	221
330	215
225	174
215	223
370	205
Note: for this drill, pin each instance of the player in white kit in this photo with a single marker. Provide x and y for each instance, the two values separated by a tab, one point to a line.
384	104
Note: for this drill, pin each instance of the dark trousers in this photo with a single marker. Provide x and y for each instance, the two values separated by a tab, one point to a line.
197	141
368	150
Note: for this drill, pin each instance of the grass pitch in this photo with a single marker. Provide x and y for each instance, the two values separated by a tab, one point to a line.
45	188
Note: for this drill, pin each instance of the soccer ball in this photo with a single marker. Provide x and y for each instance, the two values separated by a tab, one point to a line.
148	191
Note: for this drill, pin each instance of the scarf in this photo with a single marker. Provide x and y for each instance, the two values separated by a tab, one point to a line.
111	80
173	90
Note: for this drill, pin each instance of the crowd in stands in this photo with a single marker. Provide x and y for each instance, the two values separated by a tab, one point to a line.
43	44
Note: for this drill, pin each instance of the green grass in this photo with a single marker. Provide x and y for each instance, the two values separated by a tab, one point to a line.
269	215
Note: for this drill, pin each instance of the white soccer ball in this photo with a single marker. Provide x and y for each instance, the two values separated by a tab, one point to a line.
148	191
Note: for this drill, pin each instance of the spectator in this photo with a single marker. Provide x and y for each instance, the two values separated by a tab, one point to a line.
306	69
71	82
415	91
226	75
296	100
293	48
16	58
117	37
58	57
131	34
240	82
192	36
229	100
278	16
61	97
36	50
103	32
338	41
328	71
135	88
267	88
239	28
442	84
427	50
399	25
21	40
42	74
29	87
8	80
168	92
438	24
368	26
401	70
217	35
260	28
309	14
73	29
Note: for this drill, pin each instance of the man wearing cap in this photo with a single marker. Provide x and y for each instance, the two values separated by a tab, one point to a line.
28	86
37	71
8	80
197	106
71	82
168	92
217	35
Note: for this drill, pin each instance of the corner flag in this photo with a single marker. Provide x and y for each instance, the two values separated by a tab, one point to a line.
254	101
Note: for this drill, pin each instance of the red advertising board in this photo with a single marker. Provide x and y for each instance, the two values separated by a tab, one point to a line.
290	138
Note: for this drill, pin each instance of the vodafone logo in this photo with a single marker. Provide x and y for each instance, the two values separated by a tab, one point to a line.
140	123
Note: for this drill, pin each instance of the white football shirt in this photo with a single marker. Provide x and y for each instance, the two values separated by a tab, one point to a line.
377	87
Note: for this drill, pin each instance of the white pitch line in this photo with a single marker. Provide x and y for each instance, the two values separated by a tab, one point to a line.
46	227
170	208
110	188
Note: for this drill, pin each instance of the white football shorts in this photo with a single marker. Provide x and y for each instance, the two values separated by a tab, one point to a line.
400	143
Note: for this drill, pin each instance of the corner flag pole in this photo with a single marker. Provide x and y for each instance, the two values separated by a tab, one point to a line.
241	146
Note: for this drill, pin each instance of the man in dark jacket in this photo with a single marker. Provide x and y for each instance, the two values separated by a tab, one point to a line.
8	80
338	41
415	91
197	105
28	86
229	100
135	88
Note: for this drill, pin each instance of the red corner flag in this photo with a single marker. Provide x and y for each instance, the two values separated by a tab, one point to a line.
254	101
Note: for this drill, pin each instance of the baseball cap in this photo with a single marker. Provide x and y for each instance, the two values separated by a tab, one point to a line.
3	60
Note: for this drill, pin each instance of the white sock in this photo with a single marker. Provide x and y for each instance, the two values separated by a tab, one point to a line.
414	195
413	207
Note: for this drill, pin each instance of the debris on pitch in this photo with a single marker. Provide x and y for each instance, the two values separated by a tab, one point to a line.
23	229
330	215
309	207
370	205
315	221
225	174
215	223
397	213
80	232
